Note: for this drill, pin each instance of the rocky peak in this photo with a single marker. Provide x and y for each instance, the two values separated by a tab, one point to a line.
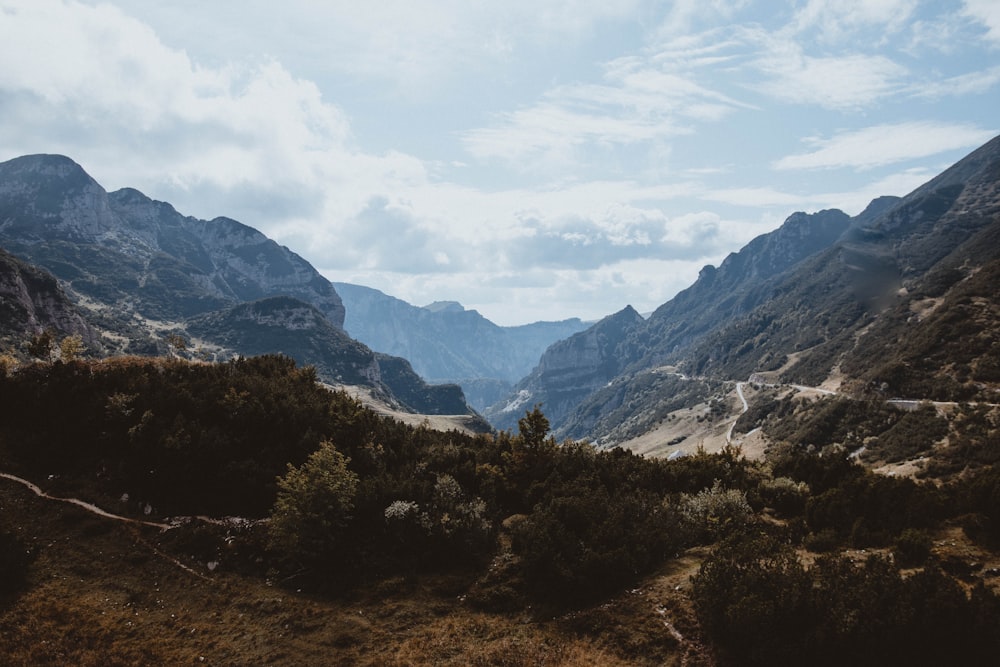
50	209
31	301
445	307
50	196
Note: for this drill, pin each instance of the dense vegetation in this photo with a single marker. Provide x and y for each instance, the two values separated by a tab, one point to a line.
528	523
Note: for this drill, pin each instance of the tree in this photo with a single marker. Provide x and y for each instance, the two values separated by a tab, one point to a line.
177	343
40	345
533	428
71	347
314	504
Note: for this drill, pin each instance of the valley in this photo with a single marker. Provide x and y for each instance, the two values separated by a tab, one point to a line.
792	461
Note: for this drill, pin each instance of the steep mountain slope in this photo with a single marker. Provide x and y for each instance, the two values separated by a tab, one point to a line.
138	270
31	301
140	255
300	331
570	370
818	311
817	300
735	287
447	343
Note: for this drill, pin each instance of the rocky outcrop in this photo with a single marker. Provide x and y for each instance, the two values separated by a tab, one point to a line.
299	330
143	270
31	302
828	292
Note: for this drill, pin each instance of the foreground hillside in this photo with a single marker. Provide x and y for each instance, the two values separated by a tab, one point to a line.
361	540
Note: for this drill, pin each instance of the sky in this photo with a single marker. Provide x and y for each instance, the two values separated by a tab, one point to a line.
531	159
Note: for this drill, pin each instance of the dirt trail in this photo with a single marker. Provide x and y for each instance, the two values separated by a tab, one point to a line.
94	509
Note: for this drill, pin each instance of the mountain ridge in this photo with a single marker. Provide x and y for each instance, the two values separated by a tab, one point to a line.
796	307
136	270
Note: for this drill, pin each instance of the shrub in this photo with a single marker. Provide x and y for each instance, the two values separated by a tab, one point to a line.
913	547
314	504
712	513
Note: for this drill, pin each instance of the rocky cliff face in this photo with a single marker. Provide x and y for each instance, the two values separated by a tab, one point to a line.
143	269
31	301
568	371
573	370
111	246
902	286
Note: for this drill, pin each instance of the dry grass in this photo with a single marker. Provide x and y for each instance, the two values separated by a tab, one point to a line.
105	593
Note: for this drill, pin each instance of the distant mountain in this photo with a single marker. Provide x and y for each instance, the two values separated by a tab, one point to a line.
447	343
861	302
136	270
570	370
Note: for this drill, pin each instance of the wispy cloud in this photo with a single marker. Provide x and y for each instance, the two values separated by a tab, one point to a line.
847	82
885	144
970	83
637	102
986	12
839	20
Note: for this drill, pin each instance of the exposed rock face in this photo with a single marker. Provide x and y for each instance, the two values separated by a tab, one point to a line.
220	281
826	291
569	370
31	302
111	246
302	332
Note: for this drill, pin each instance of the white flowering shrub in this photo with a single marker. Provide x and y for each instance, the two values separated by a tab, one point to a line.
711	513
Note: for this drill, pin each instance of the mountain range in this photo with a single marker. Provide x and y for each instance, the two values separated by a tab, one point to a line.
128	274
854	304
447	343
896	301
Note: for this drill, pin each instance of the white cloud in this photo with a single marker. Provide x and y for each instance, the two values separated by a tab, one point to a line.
885	144
986	12
970	83
848	82
753	197
839	19
897	184
592	125
638	102
414	46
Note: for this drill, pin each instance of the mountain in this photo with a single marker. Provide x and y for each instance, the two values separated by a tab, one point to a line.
136	271
858	303
139	255
733	288
32	301
569	370
447	343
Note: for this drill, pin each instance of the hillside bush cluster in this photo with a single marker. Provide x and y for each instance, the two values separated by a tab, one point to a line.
353	497
764	607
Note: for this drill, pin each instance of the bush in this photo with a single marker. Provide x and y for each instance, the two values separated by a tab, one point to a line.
913	547
711	513
314	504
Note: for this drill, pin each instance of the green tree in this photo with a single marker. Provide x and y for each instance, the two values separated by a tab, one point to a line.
40	345
71	347
313	506
533	428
